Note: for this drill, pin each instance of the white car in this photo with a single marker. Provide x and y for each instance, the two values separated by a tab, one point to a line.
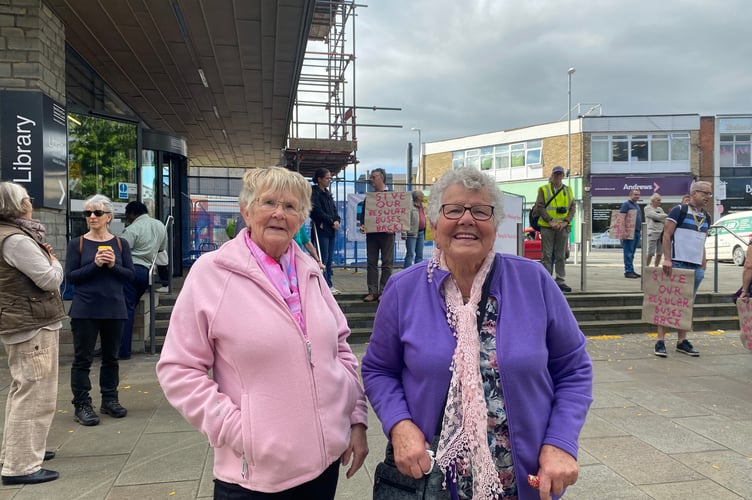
734	232
603	240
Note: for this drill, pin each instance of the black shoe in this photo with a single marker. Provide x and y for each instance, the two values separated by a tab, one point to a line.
685	347
564	288
49	455
113	409
631	275
85	415
40	476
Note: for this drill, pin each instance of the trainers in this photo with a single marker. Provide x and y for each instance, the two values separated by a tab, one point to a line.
162	289
113	409
370	297
85	415
660	349
685	347
632	275
334	291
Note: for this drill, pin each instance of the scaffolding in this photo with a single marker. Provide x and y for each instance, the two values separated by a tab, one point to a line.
323	131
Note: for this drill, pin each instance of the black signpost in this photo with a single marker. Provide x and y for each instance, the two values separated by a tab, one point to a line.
34	150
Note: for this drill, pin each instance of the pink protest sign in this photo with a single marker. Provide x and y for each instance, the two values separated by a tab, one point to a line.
669	299
387	212
745	322
623	225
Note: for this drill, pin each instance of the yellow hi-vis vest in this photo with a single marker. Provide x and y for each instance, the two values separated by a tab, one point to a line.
563	199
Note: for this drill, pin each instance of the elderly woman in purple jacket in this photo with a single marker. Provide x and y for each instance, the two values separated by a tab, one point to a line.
485	345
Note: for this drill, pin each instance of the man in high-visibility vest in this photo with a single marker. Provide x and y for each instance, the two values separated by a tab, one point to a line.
555	206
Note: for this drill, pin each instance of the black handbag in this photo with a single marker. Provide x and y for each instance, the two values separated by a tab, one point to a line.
390	484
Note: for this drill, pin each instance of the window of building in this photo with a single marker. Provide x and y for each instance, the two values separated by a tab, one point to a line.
518	155
486	158
502	157
599	148
620	148
735	155
458	159
680	147
639	148
659	147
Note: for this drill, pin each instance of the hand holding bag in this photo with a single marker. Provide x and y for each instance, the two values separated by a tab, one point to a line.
390	484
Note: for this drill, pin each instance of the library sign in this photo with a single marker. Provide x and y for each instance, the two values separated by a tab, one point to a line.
34	148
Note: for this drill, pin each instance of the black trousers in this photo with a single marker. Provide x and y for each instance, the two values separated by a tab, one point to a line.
321	488
85	333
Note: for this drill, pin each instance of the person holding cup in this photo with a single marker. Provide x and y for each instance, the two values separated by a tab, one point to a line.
98	264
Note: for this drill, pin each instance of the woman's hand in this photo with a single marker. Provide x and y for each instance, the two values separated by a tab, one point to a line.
105	256
50	252
557	470
358	449
744	295
410	449
335	226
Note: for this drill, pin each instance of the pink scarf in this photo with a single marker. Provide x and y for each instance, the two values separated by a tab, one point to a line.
283	276
463	442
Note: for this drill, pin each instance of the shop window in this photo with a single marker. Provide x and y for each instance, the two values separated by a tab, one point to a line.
620	148
659	147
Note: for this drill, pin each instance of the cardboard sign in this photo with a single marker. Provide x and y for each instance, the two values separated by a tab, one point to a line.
669	299
623	225
745	322
387	211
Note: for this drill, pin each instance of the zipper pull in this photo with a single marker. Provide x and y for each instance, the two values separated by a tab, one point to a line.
308	351
244	469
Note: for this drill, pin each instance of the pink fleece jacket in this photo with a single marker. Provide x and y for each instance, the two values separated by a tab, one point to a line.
235	365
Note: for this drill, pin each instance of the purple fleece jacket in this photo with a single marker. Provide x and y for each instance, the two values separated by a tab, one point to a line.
545	371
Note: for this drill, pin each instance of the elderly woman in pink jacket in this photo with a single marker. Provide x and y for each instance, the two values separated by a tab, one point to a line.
283	406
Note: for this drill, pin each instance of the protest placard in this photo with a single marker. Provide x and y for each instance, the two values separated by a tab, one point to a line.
387	211
622	225
669	299
745	322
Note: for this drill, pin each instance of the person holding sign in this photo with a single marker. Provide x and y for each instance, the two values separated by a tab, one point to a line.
630	246
477	355
684	234
555	206
380	242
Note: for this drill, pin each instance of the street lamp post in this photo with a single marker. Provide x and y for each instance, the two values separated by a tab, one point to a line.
570	71
421	166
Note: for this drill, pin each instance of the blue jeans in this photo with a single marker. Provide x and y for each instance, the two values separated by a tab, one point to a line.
326	247
699	271
629	247
414	246
132	290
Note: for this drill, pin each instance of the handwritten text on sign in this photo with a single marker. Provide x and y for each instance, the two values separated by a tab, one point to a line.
669	299
623	225
745	322
387	212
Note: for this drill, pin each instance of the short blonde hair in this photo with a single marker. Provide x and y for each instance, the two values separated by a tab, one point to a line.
260	180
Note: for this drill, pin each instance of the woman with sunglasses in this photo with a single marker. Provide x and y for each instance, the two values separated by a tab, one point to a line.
478	356
97	264
32	314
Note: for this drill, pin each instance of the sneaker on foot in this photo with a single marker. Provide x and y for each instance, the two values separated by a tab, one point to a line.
563	287
334	291
685	347
85	415
113	409
660	349
162	289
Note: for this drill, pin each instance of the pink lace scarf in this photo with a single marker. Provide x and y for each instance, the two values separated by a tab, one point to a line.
463	442
283	276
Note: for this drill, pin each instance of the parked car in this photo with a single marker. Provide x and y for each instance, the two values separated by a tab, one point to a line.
603	240
531	248
733	240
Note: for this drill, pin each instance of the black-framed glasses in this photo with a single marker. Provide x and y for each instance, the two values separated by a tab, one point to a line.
454	211
706	193
97	213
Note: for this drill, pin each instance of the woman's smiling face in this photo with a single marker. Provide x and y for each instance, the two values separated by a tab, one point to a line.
465	239
273	219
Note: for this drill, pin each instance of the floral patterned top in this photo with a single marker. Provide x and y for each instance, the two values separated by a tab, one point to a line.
498	431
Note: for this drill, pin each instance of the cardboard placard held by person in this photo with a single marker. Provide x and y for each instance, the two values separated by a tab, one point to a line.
669	299
745	322
387	211
623	225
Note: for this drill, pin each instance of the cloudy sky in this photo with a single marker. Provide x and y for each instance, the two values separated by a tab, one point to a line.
463	67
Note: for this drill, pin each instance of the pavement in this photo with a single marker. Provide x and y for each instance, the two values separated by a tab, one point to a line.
670	428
